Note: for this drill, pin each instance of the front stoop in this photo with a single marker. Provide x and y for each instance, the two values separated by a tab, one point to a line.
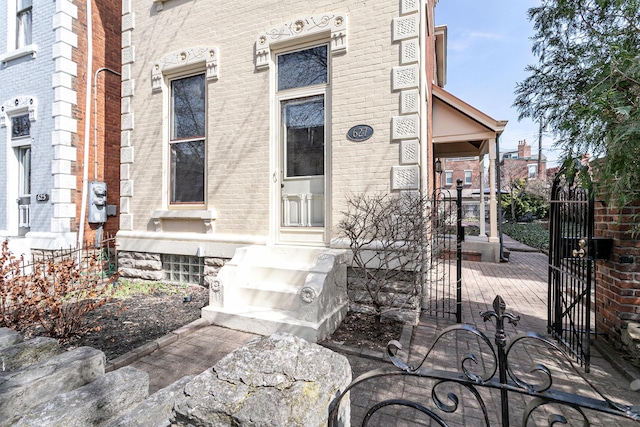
267	289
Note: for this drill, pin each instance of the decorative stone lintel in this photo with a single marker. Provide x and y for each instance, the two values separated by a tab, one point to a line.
333	23
14	105
184	58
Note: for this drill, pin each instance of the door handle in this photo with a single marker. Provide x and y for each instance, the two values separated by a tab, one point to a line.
580	253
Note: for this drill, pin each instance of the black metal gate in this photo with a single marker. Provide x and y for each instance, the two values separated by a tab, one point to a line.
571	267
445	272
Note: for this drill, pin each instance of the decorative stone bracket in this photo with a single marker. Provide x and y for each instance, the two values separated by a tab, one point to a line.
184	58
334	24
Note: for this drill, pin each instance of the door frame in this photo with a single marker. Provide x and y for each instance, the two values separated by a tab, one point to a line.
279	234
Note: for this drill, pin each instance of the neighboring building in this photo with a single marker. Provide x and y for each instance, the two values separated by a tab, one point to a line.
522	163
470	170
251	129
44	47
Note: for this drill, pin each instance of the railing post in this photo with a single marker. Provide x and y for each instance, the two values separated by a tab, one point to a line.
500	314
459	233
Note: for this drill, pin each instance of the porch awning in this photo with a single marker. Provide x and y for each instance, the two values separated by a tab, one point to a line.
460	130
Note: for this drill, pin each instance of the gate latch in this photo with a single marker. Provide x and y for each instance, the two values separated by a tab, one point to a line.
582	243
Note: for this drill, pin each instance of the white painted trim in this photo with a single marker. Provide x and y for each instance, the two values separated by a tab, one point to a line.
30	49
328	26
296	235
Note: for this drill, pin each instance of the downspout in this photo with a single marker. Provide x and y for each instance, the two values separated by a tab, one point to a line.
99	230
87	128
423	93
424	144
95	118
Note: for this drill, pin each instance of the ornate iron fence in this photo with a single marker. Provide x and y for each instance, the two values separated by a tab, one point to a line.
504	380
445	271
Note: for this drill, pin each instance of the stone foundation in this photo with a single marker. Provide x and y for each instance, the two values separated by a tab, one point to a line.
401	301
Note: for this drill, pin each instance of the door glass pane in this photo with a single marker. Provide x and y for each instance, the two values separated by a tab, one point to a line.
303	121
25	171
302	68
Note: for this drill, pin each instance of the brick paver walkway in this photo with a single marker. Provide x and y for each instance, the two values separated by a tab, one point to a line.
522	283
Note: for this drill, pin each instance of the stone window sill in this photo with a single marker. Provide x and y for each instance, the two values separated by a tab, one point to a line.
206	216
31	49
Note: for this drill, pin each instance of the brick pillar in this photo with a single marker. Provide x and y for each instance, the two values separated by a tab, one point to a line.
617	279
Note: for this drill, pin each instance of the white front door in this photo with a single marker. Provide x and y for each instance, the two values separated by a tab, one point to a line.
302	140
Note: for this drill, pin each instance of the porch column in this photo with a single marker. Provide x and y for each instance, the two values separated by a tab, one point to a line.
483	231
493	205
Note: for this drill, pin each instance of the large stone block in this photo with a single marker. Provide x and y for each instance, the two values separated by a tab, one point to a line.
154	411
280	380
93	404
9	337
26	388
26	353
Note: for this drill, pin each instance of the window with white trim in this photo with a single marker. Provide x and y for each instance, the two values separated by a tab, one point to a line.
467	177
23	23
532	171
448	177
187	142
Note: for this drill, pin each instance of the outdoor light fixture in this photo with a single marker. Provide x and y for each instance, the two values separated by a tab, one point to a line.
438	166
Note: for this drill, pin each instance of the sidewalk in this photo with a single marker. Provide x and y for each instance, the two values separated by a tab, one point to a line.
521	282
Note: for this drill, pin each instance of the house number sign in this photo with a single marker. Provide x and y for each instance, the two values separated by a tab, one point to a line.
360	133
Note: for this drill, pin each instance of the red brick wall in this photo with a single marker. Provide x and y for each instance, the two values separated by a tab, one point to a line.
617	279
458	167
104	163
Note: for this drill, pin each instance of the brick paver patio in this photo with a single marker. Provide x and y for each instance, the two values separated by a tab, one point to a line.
522	283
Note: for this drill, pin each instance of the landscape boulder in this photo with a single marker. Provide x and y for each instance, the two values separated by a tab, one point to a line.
9	337
26	353
26	388
280	380
93	404
156	410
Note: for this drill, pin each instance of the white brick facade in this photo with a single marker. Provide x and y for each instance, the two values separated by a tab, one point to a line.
373	79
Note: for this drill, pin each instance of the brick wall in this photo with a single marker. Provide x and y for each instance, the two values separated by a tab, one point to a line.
618	279
104	162
458	166
239	129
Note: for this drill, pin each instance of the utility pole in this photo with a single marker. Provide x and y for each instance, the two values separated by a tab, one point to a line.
540	149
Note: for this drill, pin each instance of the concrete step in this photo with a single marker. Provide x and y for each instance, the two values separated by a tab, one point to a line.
285	287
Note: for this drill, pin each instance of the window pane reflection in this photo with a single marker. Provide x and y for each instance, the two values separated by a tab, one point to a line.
188	107
187	172
302	68
304	132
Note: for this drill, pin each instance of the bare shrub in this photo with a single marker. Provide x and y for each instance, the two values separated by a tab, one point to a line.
56	295
387	237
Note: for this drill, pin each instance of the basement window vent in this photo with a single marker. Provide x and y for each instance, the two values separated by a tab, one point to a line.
183	269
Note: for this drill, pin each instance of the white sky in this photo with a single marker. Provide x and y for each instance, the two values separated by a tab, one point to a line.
488	48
